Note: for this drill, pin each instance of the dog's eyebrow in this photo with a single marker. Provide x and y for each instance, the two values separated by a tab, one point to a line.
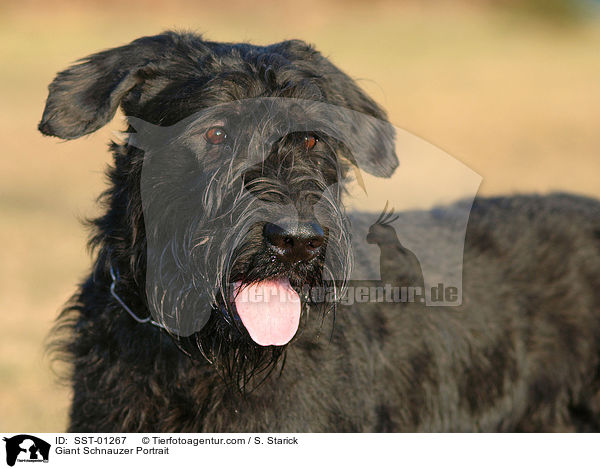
204	124
203	119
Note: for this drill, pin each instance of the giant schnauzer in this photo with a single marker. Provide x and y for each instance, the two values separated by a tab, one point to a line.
225	213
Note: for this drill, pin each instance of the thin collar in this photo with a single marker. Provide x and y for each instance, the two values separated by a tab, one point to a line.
114	274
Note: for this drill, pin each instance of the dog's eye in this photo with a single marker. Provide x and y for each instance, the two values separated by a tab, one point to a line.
310	141
215	135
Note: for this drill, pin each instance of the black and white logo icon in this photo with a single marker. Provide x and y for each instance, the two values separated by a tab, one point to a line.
26	448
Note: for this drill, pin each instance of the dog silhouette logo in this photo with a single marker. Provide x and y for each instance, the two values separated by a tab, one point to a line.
26	448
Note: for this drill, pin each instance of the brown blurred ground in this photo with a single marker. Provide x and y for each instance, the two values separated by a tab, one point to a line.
515	98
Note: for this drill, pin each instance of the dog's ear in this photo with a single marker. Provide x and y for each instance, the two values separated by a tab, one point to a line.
86	96
376	135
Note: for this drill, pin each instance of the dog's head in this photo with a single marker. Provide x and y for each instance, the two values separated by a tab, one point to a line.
227	201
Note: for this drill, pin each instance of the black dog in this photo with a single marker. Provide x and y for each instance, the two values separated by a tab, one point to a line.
231	184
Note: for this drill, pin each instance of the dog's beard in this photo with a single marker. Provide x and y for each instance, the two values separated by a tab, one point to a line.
206	271
230	345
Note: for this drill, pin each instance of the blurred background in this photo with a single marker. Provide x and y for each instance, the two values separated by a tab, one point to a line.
510	88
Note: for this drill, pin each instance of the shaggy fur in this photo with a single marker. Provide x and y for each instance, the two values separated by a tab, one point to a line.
521	353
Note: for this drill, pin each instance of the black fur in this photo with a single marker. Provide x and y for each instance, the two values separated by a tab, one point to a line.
521	353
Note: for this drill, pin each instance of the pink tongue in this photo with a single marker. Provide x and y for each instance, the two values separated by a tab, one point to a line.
270	310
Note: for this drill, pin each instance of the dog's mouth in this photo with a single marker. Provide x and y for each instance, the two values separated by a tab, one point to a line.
269	310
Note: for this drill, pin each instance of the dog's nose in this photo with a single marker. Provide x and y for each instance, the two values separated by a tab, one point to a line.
294	242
